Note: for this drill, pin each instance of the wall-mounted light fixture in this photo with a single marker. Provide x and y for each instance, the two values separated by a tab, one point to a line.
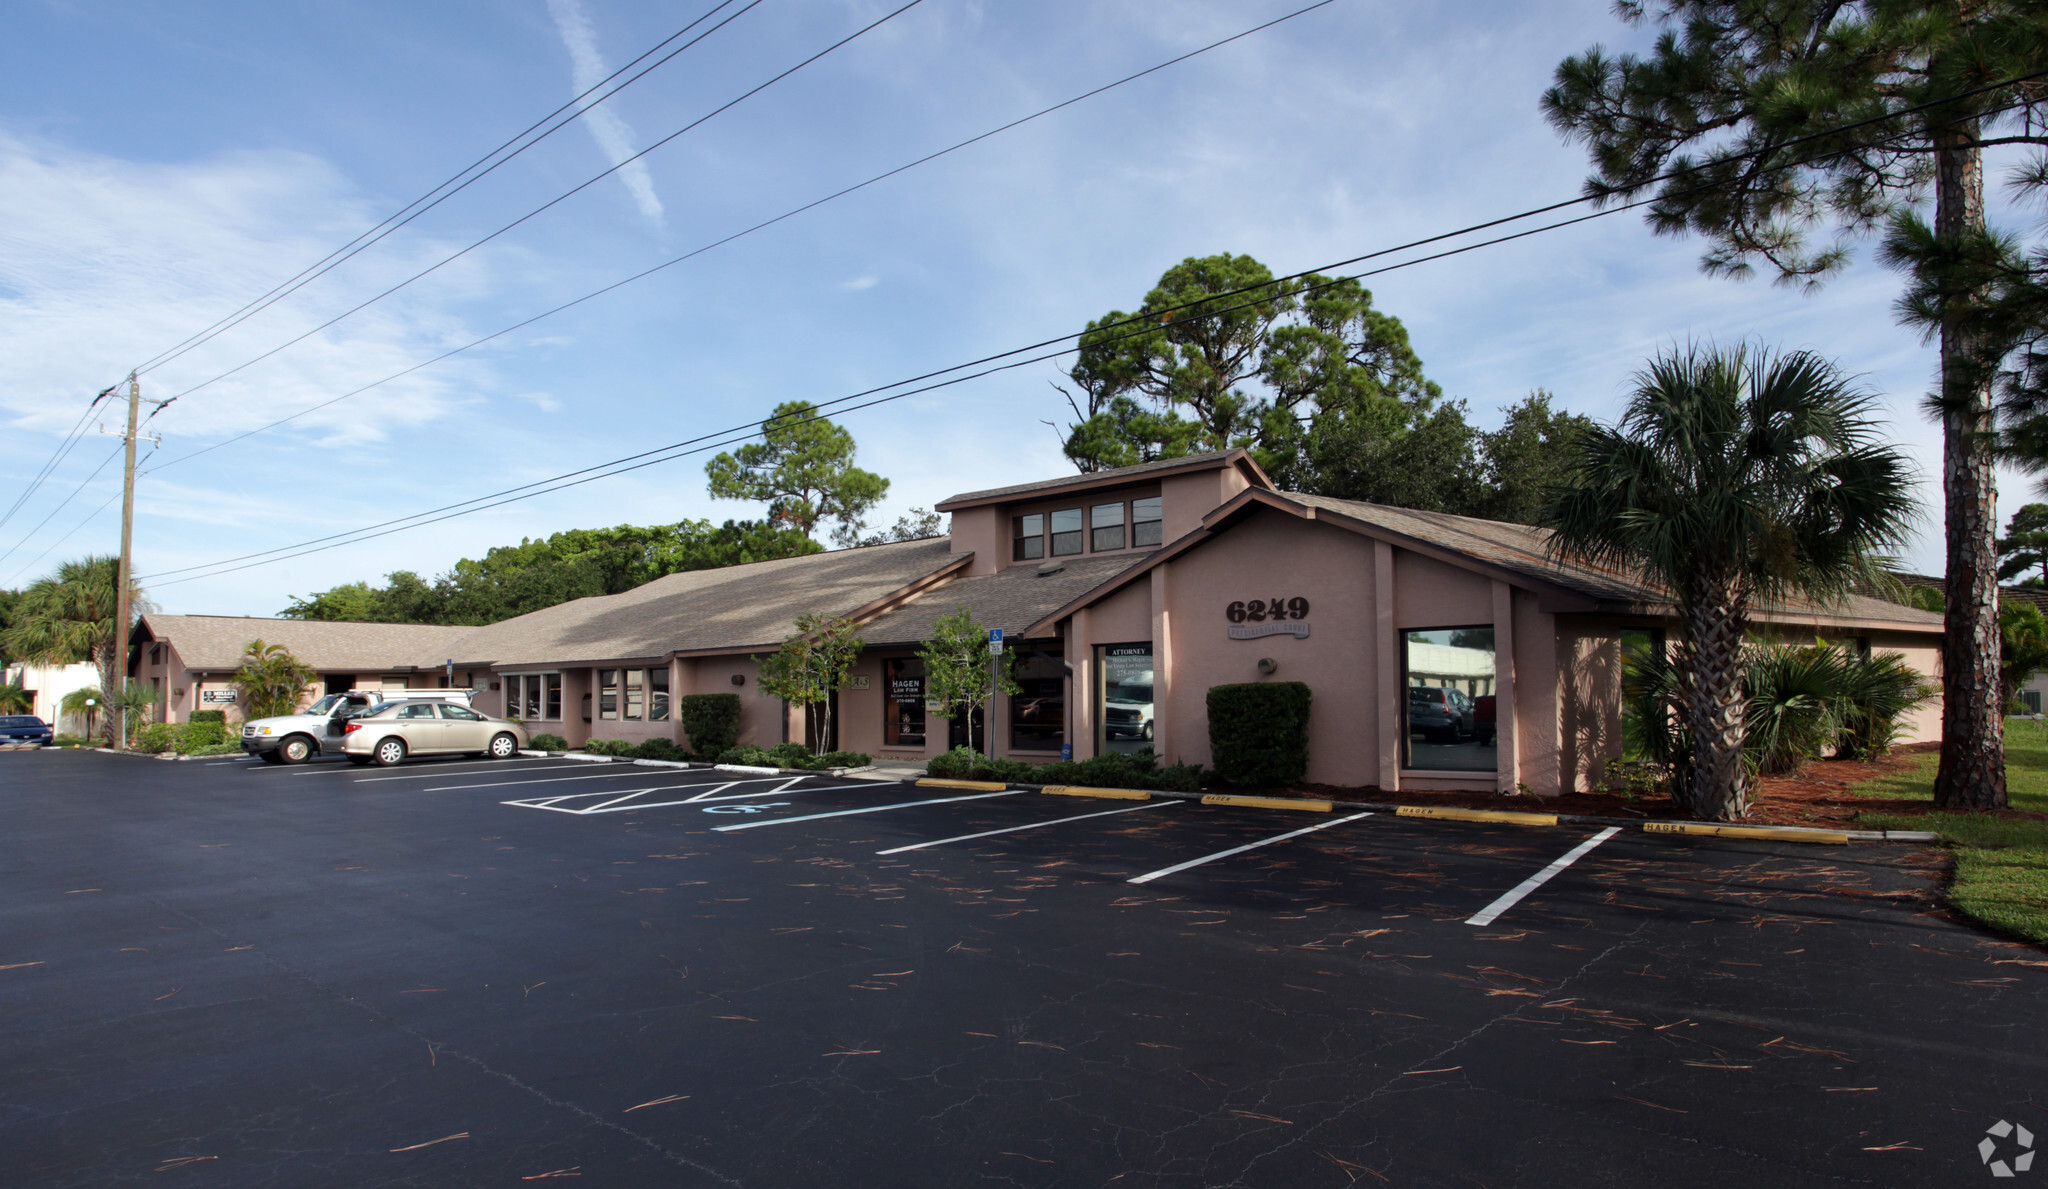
1268	666
739	678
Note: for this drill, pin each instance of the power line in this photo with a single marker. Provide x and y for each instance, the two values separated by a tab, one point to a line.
761	226
728	105
26	537
833	408
1143	323
459	181
57	457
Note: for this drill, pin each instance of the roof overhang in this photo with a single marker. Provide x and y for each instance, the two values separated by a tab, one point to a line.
1239	458
1551	597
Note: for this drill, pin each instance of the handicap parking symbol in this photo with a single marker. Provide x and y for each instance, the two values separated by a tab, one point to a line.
744	808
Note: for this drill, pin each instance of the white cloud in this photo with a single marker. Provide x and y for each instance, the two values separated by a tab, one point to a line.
611	133
858	283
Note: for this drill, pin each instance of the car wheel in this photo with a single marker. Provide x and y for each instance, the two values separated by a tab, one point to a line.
295	750
1147	733
270	757
503	746
390	752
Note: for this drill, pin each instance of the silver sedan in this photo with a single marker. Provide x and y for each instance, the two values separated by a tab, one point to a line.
429	728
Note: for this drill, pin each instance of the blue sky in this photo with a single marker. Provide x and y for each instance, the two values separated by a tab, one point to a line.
162	163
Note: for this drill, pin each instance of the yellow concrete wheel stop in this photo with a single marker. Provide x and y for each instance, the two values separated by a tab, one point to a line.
1075	790
986	786
1267	802
1758	833
1477	815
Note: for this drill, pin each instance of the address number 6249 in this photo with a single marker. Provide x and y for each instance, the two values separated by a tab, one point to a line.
1261	610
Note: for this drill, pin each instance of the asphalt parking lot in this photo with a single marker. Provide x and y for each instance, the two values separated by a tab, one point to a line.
473	973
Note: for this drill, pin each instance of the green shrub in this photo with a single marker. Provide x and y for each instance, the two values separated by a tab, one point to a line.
607	747
712	722
219	716
1258	733
189	737
1115	770
659	749
965	763
215	749
845	759
548	743
791	755
751	756
156	737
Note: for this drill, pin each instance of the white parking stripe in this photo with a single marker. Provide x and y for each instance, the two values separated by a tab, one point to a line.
1149	876
811	817
1058	821
1492	912
615	800
338	769
642	773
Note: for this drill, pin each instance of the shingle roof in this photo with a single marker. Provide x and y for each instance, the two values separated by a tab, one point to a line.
1525	550
736	607
1011	599
1189	462
216	642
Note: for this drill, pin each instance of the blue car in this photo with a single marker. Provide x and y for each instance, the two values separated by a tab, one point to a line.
24	728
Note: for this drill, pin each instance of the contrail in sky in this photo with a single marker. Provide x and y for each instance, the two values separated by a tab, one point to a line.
611	132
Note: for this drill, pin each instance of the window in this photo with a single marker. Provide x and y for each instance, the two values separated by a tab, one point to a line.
1452	714
1145	528
903	710
2031	700
636	694
460	714
1066	532
657	695
416	710
1027	537
608	695
1124	713
1038	710
1107	521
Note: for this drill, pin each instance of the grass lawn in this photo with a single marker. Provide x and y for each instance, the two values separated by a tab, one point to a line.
2001	862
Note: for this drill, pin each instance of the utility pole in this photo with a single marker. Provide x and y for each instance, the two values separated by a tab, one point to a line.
121	600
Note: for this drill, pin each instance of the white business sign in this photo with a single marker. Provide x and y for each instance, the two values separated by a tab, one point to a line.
215	696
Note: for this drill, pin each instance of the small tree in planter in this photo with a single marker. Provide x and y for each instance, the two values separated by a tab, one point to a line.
270	681
812	664
959	676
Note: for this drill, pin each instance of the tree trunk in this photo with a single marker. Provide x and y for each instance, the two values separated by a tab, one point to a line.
1716	622
1972	771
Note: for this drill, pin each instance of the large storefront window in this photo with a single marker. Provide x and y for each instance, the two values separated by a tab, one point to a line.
533	697
1452	715
608	695
1126	709
1038	710
903	709
636	694
657	695
1640	647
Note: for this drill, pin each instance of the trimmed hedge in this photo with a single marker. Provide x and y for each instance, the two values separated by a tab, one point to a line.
793	755
659	749
548	743
1111	770
186	738
1258	733
219	716
712	722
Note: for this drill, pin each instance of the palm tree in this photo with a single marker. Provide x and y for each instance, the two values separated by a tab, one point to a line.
69	617
270	680
1733	479
84	703
14	698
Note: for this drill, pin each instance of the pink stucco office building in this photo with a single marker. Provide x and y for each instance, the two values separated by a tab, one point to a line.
1130	593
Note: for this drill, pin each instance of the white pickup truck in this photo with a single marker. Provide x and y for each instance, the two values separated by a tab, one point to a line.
296	738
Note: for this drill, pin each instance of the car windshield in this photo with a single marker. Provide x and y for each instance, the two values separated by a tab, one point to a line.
21	720
326	705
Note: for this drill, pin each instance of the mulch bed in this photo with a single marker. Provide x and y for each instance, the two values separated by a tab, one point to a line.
1815	795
